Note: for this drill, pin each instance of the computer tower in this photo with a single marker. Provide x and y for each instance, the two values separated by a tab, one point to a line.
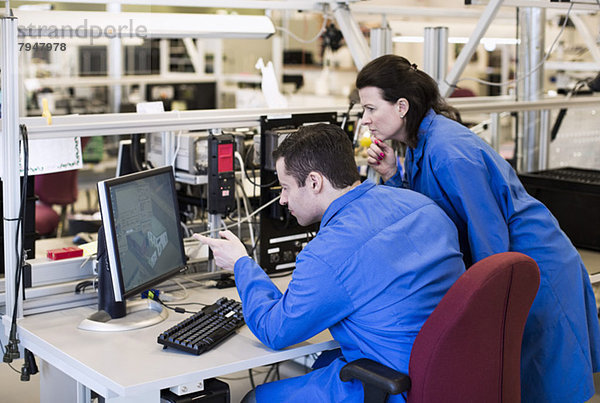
281	237
215	391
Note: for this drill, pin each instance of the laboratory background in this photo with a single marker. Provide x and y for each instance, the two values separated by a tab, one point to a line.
94	91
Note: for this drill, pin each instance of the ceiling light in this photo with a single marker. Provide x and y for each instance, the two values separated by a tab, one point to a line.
489	42
61	25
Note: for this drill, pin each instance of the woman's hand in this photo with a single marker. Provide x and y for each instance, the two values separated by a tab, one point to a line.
226	250
382	158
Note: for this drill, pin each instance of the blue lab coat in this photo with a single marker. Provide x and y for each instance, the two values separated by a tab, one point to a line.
482	194
372	276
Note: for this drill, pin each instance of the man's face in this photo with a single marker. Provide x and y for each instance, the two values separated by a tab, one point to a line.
300	200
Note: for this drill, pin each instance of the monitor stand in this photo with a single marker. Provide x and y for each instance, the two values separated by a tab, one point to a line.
118	316
141	313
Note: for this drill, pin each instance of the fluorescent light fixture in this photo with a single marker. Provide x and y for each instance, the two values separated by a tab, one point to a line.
458	39
60	25
408	39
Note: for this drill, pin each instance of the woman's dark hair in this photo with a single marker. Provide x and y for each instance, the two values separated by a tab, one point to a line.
323	148
397	78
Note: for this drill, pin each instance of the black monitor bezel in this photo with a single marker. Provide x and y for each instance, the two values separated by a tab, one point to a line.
108	223
124	156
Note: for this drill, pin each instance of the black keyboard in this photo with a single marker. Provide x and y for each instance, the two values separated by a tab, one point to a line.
205	329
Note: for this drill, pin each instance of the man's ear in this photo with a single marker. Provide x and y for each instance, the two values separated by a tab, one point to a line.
314	181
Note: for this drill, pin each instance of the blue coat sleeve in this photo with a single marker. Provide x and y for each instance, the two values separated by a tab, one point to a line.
283	319
396	180
469	188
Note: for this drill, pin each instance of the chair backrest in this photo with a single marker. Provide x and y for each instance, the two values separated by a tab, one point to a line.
57	188
469	349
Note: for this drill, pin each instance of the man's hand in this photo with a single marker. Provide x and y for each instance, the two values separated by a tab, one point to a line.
226	250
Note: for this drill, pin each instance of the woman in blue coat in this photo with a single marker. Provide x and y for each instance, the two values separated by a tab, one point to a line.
482	194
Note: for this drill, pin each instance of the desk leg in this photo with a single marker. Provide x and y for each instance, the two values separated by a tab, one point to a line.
84	394
56	386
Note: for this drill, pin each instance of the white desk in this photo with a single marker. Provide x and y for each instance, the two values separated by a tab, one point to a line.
591	259
131	366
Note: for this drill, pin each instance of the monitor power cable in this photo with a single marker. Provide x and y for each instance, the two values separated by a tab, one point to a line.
12	349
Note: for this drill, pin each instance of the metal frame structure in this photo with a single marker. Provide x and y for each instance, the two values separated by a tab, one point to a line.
488	15
530	85
435	45
10	161
114	124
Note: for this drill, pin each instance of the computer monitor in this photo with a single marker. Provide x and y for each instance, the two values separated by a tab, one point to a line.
143	245
125	165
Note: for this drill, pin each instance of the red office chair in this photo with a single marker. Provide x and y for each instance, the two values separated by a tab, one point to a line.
59	188
469	349
462	93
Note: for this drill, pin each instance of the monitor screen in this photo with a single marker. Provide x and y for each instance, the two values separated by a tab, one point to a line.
143	234
124	163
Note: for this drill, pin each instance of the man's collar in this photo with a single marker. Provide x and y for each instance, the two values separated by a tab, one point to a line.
345	199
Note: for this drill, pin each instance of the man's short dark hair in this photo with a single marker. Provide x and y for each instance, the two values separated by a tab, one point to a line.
323	148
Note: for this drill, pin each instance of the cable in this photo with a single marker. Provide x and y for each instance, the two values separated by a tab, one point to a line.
269	373
301	40
246	203
264	206
255	245
4	351
12	349
256	185
239	378
250	226
238	207
251	378
252	181
174	159
536	68
176	309
80	287
563	111
29	366
202	283
185	291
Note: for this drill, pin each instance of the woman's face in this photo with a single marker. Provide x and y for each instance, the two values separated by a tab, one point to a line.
384	119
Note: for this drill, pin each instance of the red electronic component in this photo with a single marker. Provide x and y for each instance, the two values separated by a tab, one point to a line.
64	253
225	157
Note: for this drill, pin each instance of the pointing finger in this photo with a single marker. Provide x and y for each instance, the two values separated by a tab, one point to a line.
204	239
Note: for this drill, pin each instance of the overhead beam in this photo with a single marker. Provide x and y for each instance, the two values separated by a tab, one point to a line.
465	55
587	36
352	34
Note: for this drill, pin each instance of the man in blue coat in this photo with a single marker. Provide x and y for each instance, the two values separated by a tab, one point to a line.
380	263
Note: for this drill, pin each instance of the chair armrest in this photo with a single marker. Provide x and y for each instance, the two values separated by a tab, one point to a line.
379	376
